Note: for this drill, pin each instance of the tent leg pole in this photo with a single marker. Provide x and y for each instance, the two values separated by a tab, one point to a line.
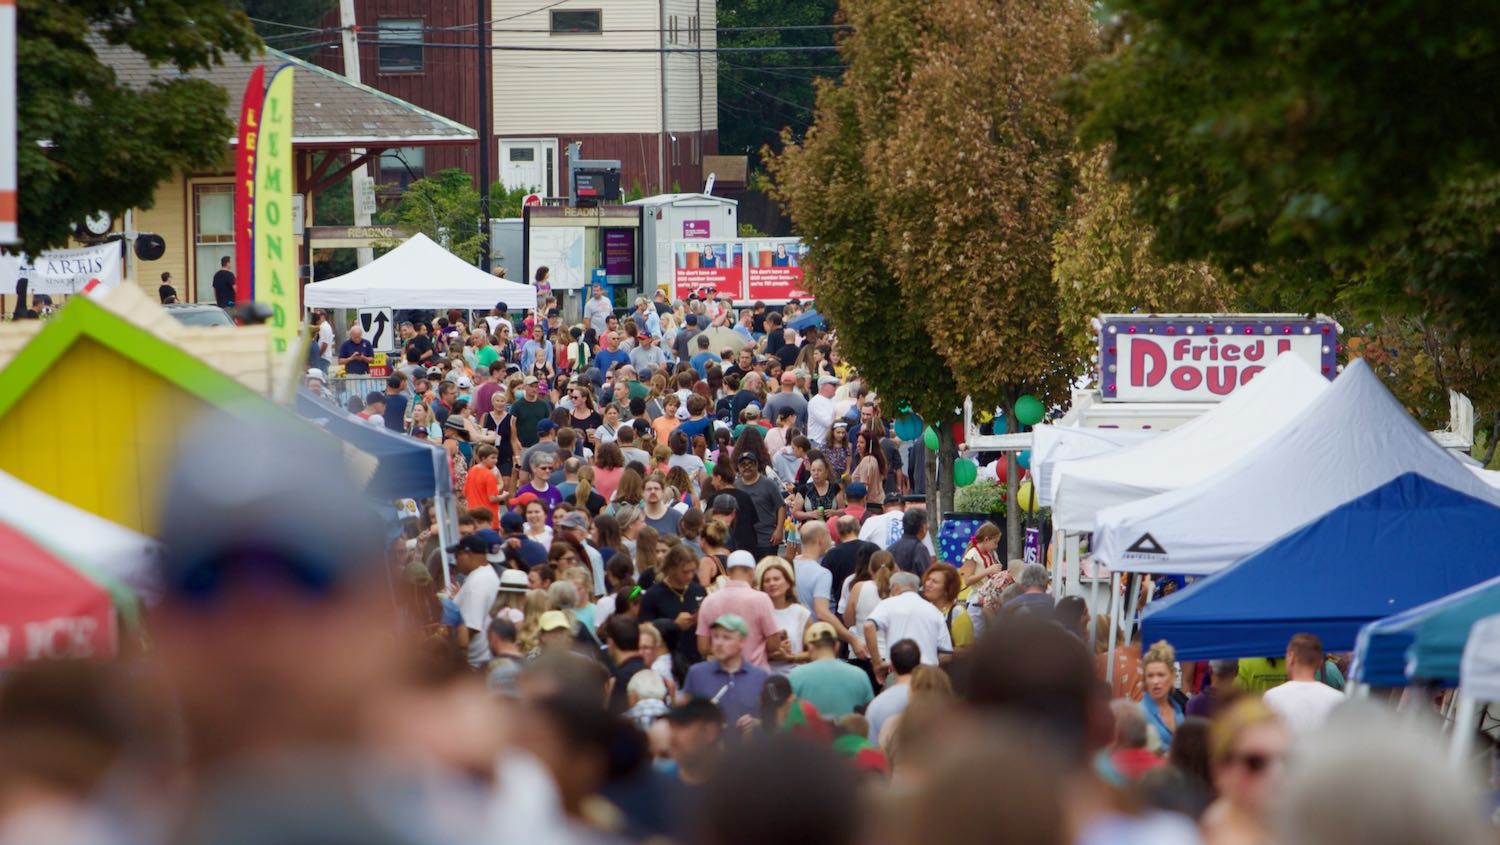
1114	626
1093	608
1463	730
447	519
1133	586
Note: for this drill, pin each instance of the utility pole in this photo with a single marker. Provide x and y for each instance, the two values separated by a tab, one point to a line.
359	179
484	134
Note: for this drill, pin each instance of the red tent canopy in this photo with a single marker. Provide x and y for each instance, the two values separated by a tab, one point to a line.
48	609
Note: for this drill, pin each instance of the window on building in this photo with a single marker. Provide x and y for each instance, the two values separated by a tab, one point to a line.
400	45
213	234
577	20
401	167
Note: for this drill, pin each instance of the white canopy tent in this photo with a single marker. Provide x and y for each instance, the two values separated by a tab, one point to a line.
77	534
1200	448
419	274
1478	682
1352	438
1053	444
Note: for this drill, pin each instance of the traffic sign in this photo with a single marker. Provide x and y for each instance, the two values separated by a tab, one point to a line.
380	327
531	200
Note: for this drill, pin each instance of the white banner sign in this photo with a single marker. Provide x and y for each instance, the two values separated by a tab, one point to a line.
560	250
1201	369
64	271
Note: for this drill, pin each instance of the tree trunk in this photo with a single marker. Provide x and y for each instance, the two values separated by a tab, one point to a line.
1489	448
940	480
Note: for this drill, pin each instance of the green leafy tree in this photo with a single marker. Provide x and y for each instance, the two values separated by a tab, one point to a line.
930	187
85	141
1103	262
1323	157
762	93
292	25
445	207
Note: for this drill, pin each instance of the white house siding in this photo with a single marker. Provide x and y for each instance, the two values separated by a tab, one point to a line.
547	94
682	68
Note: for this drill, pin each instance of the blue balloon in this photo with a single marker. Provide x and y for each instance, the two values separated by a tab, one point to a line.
908	427
1023	460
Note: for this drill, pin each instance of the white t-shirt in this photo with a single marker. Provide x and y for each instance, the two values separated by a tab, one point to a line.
793	620
819	419
885	529
474	600
891	702
908	616
325	337
1304	705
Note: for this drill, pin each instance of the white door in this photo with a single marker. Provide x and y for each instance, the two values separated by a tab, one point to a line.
529	163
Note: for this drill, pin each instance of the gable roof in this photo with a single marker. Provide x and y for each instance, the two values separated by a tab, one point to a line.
84	318
330	110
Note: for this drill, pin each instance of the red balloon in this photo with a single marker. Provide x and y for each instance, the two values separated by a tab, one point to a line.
1002	469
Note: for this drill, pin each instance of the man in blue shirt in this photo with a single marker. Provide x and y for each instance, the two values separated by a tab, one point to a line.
395	401
611	354
356	353
728	679
704	357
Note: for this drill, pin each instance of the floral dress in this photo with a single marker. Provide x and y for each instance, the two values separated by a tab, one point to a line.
838	459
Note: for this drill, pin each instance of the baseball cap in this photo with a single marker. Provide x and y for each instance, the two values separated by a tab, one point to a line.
724	503
789	377
544	426
574	520
554	620
512	521
472	543
819	631
523	500
729	622
856	490
529	380
746	457
464	382
740	558
822	380
692	319
514	581
314	372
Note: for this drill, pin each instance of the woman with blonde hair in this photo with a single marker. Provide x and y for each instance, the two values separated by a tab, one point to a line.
713	565
1246	746
646	554
632	490
528	633
1163	713
778	580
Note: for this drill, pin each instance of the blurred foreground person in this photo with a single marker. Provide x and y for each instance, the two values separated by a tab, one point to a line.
1391	769
782	789
64	728
1040	678
1248	745
275	635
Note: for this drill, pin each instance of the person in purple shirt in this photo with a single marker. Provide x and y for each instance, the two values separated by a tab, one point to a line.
1220	690
728	680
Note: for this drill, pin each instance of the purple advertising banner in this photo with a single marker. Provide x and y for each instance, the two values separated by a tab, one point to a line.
695	229
619	256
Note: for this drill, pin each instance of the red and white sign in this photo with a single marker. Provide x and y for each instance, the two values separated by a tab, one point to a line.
708	269
531	200
775	270
1164	359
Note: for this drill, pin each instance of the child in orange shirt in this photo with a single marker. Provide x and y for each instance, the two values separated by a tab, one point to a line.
482	488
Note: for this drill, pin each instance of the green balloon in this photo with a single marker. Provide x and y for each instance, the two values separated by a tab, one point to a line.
708	466
1029	410
965	472
930	439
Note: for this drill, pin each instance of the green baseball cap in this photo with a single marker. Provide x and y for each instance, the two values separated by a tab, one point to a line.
732	622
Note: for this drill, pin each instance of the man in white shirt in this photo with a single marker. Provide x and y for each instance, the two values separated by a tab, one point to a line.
907	616
326	344
1303	701
597	311
820	411
481	585
885	529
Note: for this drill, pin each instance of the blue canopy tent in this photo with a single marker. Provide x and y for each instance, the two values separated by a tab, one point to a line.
1385	648
1406	542
407	468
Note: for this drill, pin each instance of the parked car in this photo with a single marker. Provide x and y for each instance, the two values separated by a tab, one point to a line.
199	314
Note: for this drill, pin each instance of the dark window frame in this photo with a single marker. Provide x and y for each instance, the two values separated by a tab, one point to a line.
553	28
392	47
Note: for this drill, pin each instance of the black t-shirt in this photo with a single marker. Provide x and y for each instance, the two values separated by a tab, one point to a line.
660	606
223	287
840	561
740	401
788	354
619	701
742	534
504	428
417	347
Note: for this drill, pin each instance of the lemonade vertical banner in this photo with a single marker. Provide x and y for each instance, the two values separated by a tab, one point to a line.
244	185
275	253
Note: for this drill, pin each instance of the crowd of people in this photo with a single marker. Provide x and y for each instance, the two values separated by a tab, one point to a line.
694	597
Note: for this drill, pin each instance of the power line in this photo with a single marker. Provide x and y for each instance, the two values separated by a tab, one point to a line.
686	50
286	25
